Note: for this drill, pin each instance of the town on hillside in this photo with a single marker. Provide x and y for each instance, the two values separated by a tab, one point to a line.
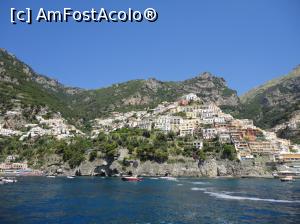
189	116
206	121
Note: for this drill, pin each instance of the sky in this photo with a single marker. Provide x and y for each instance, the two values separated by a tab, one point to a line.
245	42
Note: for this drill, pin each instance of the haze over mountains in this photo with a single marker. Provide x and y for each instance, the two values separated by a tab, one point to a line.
268	105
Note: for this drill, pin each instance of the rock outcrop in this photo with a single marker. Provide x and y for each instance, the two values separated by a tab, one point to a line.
187	167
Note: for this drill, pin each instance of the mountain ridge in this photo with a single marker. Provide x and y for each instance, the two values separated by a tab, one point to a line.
249	94
133	94
268	105
274	102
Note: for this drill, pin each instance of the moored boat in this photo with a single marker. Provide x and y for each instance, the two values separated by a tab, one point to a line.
20	172
9	180
295	173
287	178
70	177
131	178
51	176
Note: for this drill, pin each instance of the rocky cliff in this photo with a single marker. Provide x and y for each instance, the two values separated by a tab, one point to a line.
178	167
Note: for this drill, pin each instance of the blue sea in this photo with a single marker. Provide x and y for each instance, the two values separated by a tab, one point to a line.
187	200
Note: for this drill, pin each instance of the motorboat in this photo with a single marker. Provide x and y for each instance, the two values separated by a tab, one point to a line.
287	178
131	178
169	178
9	180
70	177
51	176
295	173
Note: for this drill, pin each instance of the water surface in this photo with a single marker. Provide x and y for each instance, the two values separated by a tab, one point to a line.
188	200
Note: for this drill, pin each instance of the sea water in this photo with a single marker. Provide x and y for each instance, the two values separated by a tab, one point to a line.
187	200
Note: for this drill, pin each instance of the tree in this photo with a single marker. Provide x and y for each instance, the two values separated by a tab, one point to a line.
160	155
161	137
92	156
171	135
76	160
228	152
102	136
180	114
146	134
188	151
201	155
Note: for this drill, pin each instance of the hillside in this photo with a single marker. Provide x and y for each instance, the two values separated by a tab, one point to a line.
19	82
143	94
274	102
20	86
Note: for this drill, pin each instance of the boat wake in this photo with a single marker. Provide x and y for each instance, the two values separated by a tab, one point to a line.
232	197
199	183
226	195
198	189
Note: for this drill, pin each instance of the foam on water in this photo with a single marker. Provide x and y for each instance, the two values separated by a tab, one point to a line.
226	195
199	183
198	189
233	197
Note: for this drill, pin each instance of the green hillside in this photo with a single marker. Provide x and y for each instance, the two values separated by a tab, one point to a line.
274	102
19	81
268	105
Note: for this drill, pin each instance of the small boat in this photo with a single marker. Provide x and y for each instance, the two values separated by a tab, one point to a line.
284	173
51	176
169	178
9	180
275	174
287	178
131	178
70	177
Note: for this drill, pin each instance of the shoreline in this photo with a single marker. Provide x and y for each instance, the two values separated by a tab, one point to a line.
151	176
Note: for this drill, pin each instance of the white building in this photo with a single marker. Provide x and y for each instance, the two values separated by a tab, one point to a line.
209	133
34	132
145	124
167	123
219	120
188	126
9	132
191	97
224	138
198	144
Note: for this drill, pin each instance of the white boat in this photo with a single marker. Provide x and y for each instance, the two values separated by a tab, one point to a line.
50	176
169	178
70	177
287	178
131	178
295	173
9	180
